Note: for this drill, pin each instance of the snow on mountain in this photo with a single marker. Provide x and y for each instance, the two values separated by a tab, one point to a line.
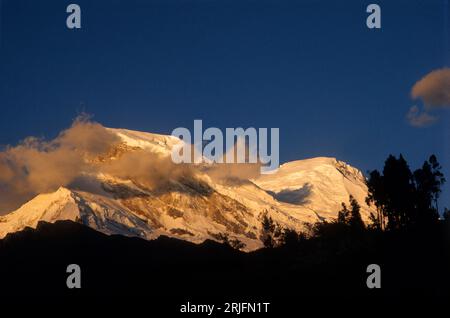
154	142
320	184
95	211
196	209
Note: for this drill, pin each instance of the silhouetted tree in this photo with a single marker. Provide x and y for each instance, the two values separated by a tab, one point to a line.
355	221
438	179
234	243
392	193
351	217
291	238
343	214
428	181
402	197
377	196
446	215
399	191
270	231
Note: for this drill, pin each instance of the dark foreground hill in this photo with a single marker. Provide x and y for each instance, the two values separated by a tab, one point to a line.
163	274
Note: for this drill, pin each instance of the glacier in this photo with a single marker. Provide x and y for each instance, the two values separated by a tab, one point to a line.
300	192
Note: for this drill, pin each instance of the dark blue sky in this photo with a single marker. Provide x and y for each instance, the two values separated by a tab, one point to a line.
312	68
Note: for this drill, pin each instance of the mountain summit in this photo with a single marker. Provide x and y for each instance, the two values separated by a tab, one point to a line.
192	206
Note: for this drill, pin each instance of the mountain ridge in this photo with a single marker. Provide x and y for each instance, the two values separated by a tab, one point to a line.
195	208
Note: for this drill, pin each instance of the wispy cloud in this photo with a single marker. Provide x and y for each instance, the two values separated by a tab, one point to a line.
416	118
35	165
86	150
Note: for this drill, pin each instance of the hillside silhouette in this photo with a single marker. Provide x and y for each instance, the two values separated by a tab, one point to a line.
169	271
295	271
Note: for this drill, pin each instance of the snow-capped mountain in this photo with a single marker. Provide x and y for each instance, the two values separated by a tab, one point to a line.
199	208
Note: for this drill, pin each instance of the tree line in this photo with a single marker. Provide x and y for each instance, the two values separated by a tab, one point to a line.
403	199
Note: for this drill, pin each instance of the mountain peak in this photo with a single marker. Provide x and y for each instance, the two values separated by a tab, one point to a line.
154	142
196	208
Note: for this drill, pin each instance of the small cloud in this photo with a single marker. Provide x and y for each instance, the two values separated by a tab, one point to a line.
434	89
416	118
